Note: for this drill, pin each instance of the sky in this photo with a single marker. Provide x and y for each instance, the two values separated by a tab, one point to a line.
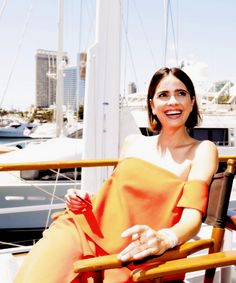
201	33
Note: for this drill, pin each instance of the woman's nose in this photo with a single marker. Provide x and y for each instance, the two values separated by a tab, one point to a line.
172	100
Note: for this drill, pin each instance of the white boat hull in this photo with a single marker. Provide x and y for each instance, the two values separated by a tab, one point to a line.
24	206
15	192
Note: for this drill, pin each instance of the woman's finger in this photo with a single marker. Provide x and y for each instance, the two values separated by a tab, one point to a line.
144	253
136	229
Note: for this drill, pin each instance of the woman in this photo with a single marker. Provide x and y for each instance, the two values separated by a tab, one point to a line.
153	201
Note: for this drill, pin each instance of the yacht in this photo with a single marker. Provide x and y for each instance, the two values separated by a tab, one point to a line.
17	129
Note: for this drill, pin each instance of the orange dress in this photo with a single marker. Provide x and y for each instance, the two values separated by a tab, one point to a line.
137	192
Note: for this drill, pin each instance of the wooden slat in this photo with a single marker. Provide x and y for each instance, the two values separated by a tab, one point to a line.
231	220
111	261
187	265
224	158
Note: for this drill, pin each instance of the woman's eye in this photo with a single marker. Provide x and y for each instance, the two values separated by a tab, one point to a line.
163	94
182	93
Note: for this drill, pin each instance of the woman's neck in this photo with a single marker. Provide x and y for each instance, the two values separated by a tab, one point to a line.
173	138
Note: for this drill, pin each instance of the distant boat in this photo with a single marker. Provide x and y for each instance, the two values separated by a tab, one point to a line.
17	130
24	192
48	130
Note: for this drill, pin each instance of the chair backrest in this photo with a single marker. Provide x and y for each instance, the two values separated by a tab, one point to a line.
219	196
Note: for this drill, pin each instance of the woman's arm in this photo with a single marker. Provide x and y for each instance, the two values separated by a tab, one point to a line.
204	165
205	162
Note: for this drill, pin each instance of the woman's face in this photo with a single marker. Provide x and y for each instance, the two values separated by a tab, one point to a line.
171	102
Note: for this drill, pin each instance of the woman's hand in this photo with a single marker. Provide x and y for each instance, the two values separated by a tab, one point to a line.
77	201
145	242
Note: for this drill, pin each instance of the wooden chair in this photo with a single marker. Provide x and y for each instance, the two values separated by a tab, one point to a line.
176	260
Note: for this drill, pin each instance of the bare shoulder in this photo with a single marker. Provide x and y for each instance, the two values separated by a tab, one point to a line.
133	144
205	162
206	148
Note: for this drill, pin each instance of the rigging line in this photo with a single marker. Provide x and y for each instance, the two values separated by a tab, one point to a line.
177	28
52	199
30	208
125	52
3	8
78	67
174	37
80	25
94	64
105	98
71	24
145	35
10	244
26	24
36	186
91	24
166	7
63	175
130	53
75	183
21	249
20	243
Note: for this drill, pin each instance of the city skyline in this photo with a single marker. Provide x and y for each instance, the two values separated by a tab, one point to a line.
201	33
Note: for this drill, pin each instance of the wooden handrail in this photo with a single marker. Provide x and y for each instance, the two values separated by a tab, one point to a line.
57	164
73	164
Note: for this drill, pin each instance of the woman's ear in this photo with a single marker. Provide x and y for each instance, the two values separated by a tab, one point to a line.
152	106
193	101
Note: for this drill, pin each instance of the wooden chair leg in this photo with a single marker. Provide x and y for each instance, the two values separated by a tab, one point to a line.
209	275
217	235
98	277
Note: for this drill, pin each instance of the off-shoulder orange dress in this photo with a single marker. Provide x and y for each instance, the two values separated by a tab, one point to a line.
137	192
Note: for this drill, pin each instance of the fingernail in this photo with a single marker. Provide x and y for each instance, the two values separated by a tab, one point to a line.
123	234
124	257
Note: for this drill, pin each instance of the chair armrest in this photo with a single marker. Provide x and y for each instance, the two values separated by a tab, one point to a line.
185	265
111	261
231	220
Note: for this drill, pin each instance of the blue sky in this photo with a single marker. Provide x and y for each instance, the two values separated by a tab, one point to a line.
204	31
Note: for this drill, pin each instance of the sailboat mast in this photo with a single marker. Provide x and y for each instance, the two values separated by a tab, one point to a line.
60	84
102	90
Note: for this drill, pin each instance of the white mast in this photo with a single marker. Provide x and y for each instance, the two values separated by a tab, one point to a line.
60	80
101	108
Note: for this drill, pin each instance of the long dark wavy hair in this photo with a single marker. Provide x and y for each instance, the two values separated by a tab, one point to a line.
194	116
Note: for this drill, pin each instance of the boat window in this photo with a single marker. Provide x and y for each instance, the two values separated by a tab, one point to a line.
220	136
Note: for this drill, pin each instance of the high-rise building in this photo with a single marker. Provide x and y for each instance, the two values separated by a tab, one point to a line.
132	88
70	87
46	75
81	65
